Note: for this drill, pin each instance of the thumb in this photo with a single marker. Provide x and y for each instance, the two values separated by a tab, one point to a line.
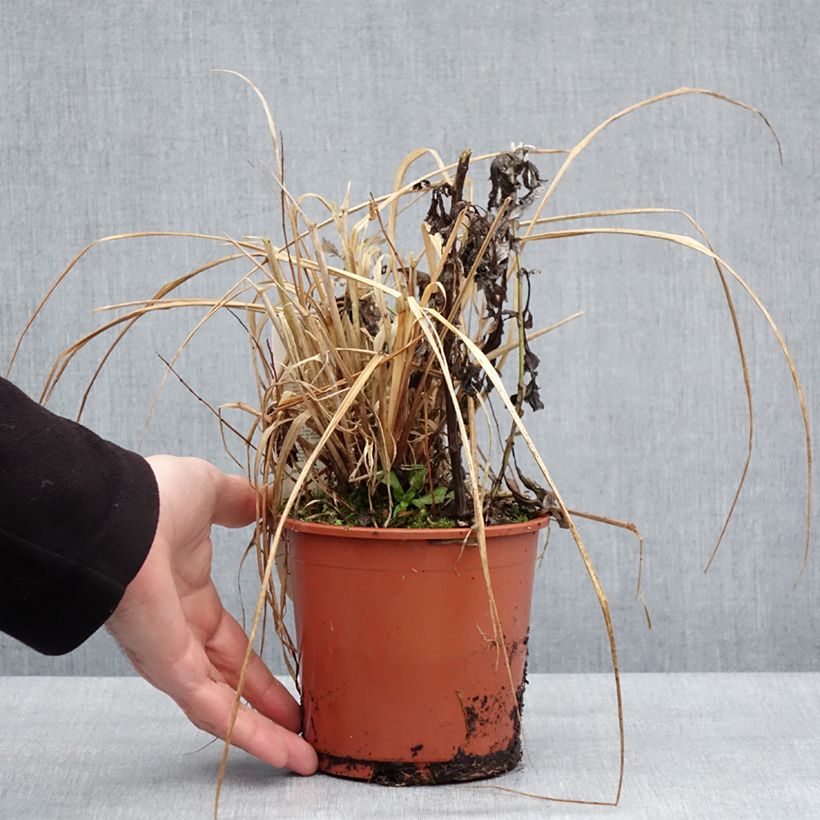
234	502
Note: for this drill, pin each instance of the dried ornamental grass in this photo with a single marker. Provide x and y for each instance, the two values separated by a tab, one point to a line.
380	400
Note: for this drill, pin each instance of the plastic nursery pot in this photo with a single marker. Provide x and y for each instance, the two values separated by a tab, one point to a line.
402	683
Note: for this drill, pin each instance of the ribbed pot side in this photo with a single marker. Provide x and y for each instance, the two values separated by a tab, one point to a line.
402	681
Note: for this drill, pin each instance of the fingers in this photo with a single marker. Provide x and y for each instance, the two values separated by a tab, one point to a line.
209	708
235	501
226	650
183	481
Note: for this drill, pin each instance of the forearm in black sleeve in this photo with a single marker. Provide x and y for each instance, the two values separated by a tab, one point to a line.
77	518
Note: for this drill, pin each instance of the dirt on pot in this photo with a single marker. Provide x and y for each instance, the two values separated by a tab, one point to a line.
461	768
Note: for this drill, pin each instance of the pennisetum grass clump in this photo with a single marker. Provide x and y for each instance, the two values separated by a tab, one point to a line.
378	368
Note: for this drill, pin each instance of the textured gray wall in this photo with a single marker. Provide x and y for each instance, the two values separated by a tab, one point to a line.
112	121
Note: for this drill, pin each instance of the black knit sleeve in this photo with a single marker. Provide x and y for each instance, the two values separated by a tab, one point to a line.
77	518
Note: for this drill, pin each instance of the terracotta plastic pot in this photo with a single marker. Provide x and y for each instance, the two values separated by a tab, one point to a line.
401	680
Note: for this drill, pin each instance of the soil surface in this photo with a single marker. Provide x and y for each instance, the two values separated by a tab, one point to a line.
357	510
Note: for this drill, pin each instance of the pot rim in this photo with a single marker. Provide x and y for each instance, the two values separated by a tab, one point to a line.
415	534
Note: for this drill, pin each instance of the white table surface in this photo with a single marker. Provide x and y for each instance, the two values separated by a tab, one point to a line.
701	746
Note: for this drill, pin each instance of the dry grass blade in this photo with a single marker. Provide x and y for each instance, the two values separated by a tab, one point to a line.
152	305
65	357
71	265
735	326
227	299
493	376
157	298
624	525
337	418
268	113
566	800
585	142
695	245
480	527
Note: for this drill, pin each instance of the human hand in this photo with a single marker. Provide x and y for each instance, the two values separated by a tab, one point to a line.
171	624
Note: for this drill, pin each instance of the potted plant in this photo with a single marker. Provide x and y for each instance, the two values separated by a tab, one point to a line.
411	578
396	511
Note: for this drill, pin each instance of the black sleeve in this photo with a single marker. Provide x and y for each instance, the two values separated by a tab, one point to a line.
77	518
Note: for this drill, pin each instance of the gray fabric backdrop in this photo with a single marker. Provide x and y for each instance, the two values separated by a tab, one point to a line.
111	121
